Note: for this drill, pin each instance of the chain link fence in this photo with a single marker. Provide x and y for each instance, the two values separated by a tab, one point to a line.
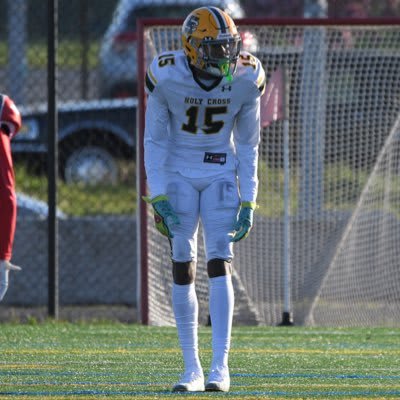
96	78
96	151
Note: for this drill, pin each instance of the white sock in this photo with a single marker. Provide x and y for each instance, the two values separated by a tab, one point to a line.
221	313
186	310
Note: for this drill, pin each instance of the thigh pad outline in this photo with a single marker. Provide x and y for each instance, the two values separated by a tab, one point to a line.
183	197
222	194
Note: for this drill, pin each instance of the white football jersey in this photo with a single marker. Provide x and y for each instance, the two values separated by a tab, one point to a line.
198	130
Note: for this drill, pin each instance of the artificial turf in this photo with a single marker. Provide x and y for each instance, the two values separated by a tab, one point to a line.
62	360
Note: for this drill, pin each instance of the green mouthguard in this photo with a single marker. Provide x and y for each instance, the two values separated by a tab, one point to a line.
224	66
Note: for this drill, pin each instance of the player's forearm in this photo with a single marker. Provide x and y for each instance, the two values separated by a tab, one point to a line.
156	143
154	159
247	139
248	188
247	172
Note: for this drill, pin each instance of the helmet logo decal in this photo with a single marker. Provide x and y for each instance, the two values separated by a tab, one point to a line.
192	24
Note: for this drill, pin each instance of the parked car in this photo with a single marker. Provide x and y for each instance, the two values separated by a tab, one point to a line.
29	207
118	59
93	136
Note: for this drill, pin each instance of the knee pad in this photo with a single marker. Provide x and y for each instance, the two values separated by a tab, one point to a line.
218	267
184	272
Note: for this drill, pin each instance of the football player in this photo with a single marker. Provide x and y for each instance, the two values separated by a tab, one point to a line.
201	148
10	123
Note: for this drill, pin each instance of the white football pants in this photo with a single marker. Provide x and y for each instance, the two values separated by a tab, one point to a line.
212	200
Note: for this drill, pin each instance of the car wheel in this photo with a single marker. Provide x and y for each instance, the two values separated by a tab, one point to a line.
91	165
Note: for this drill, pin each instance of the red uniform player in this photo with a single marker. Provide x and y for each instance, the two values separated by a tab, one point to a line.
10	124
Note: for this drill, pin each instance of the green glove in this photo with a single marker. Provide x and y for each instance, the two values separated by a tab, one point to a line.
164	215
244	221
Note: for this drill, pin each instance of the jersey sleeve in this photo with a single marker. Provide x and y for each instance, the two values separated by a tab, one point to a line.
247	130
8	202
247	139
150	79
156	133
255	74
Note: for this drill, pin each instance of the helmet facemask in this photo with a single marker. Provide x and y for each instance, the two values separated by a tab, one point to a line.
220	56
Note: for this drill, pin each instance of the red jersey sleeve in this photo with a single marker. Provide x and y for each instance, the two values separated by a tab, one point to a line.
8	201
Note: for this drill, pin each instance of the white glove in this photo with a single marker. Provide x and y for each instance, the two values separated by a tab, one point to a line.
5	268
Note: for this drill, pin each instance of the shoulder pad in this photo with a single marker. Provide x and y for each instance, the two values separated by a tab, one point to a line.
158	69
250	67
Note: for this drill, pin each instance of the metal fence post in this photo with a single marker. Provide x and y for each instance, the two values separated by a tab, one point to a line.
53	287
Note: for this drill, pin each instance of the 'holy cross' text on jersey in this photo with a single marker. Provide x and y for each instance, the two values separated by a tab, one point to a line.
210	102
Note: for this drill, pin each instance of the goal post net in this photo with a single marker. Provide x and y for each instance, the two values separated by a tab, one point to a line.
342	233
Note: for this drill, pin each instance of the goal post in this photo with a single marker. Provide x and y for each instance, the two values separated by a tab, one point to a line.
333	259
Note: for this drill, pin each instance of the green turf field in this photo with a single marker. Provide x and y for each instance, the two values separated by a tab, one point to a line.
120	361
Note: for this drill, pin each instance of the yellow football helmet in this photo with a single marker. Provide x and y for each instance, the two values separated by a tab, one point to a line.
211	41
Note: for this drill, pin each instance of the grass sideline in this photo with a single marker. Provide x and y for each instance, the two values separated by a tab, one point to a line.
62	360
